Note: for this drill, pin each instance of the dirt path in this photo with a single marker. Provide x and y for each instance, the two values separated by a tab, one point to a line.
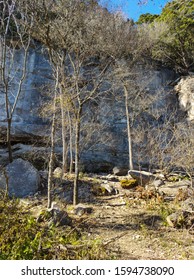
131	231
129	228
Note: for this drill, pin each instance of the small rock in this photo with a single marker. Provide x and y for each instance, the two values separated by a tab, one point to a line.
181	218
58	172
59	218
104	189
81	210
173	188
157	183
175	219
188	205
120	171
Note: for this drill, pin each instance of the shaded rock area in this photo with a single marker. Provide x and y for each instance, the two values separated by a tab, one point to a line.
54	216
27	124
142	177
59	218
37	155
183	217
120	171
22	177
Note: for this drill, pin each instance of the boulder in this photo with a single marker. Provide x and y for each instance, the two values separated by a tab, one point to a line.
104	189
23	178
142	177
173	189
188	205
120	171
185	90
181	219
184	216
54	216
59	217
80	210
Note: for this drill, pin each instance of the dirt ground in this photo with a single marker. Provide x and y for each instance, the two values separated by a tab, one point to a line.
131	228
134	232
137	229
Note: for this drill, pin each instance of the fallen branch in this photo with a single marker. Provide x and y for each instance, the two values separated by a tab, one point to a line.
113	239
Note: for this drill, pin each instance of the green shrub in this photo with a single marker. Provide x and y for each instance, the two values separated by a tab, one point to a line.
23	238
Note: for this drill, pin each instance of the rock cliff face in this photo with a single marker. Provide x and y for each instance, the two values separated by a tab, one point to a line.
185	90
26	122
107	147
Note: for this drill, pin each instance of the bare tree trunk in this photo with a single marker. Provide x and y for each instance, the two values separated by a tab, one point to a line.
64	155
128	129
77	145
51	161
9	139
70	144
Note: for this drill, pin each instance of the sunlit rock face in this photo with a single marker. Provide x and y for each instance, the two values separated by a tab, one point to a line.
104	142
185	90
26	119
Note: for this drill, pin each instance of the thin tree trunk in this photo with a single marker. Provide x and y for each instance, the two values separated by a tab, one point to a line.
64	156
7	104
77	144
70	144
51	161
128	129
9	139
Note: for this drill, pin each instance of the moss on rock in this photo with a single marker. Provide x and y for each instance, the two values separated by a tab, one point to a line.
128	183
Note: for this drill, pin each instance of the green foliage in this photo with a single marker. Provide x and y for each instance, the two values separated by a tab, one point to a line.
146	18
176	45
164	211
23	238
128	183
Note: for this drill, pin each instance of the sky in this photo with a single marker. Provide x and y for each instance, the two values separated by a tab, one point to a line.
131	8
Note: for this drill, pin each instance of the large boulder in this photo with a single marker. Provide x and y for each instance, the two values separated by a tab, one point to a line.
120	171
185	90
142	177
23	178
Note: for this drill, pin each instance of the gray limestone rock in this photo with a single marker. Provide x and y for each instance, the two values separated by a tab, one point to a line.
82	209
58	172
142	177
185	90
59	217
104	189
23	178
171	189
120	171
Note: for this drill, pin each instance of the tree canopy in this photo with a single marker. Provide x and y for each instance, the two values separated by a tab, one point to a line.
173	39
147	18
